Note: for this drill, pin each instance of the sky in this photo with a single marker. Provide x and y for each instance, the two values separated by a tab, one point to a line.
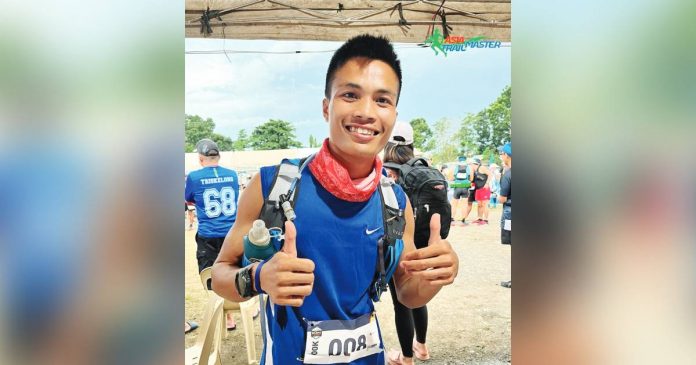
244	90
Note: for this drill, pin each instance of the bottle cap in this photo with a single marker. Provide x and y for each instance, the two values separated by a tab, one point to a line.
258	234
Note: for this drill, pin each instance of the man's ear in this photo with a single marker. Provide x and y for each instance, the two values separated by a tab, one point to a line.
325	109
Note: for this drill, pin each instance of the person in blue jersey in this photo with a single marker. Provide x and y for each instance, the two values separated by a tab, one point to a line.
320	310
214	190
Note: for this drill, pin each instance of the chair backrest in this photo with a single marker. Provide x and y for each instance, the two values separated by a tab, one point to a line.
210	337
245	309
206	275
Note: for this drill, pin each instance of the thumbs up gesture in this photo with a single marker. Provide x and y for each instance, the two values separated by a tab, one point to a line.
286	278
437	264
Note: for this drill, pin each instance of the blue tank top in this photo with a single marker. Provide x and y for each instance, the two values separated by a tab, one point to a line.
340	237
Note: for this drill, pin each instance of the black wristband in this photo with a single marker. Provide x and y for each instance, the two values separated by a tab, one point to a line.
243	283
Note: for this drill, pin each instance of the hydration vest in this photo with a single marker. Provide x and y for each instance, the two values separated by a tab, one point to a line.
277	208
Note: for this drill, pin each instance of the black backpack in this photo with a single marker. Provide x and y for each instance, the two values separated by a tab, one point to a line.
426	188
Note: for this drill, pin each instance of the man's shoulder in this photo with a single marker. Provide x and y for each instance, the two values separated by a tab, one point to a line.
195	174
274	168
507	176
226	171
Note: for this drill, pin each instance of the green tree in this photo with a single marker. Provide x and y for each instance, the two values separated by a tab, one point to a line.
242	141
273	135
483	132
468	136
499	116
224	143
195	129
444	138
422	135
313	143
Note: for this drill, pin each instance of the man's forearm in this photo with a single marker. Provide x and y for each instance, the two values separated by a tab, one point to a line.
224	283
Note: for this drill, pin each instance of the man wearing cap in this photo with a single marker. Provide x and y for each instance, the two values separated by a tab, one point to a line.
214	190
506	198
402	134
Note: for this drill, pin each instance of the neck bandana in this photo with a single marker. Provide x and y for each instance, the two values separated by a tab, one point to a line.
335	178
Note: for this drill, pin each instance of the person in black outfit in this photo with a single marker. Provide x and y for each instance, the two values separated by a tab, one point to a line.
399	150
482	193
506	198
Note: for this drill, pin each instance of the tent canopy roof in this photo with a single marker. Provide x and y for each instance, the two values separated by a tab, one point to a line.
399	21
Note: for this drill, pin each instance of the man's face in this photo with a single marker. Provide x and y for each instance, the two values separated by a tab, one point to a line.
361	110
505	158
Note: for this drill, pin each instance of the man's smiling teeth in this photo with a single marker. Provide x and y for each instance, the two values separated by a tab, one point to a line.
364	131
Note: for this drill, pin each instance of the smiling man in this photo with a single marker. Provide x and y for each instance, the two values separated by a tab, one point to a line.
322	283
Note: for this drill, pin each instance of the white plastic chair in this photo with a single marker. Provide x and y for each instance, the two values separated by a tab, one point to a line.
245	309
206	350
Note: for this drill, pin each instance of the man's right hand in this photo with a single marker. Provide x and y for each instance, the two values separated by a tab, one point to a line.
286	278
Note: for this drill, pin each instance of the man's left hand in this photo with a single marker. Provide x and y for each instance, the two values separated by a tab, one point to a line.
437	264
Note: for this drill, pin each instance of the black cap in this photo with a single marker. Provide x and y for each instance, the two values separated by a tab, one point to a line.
476	160
207	147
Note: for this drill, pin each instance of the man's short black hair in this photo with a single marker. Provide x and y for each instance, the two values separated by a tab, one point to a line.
368	46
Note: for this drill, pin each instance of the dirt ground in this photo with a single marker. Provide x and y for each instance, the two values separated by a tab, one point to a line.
469	321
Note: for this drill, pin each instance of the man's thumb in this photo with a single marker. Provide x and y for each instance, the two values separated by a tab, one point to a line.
289	246
434	228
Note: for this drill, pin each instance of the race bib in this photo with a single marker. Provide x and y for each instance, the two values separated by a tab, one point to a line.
461	176
507	225
341	341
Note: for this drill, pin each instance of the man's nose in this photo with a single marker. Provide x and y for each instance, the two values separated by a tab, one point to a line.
365	109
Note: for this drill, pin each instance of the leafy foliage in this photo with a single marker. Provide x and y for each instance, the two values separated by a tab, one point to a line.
422	135
313	143
195	129
483	132
242	142
224	143
274	134
444	139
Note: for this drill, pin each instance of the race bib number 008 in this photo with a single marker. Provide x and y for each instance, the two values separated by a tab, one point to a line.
341	341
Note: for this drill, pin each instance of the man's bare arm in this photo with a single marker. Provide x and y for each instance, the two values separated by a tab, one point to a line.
422	273
230	258
286	278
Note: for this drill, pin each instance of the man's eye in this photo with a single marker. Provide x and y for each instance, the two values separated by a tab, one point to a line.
383	100
350	95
